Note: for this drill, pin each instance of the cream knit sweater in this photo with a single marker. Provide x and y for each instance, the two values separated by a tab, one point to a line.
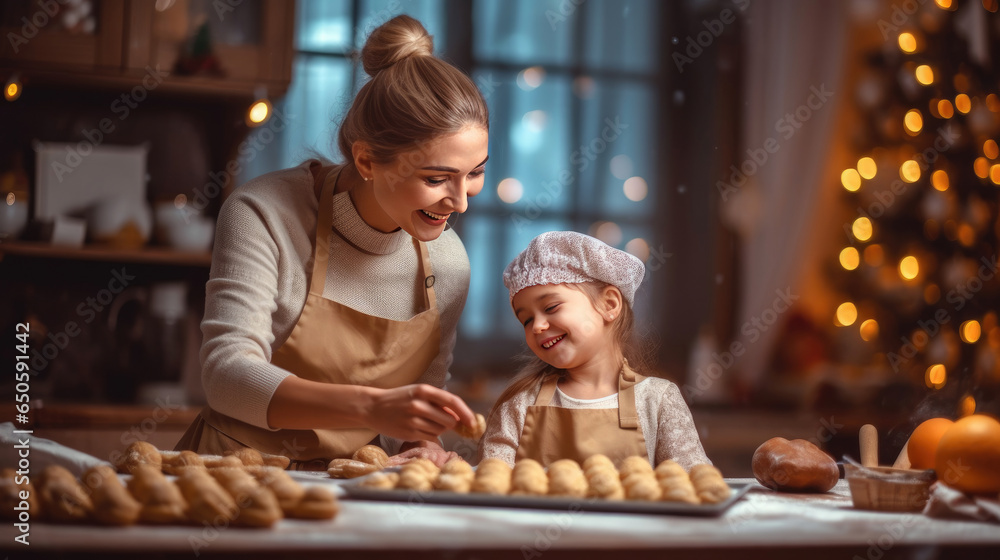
664	417
260	276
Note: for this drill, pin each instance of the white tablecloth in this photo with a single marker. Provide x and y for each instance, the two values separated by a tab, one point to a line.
761	520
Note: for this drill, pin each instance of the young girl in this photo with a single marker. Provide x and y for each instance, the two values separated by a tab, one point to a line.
574	296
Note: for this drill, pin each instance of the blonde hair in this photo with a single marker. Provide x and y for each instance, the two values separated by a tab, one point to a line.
628	345
412	97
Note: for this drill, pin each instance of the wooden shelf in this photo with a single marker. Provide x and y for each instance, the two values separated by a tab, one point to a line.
147	255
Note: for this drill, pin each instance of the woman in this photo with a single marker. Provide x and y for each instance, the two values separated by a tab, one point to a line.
335	291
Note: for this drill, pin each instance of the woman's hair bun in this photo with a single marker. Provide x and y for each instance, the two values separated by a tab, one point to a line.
399	38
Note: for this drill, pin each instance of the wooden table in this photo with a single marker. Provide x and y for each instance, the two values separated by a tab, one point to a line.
763	524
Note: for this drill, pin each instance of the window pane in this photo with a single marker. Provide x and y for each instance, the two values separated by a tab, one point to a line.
309	116
492	243
529	143
620	34
619	147
428	12
535	32
323	25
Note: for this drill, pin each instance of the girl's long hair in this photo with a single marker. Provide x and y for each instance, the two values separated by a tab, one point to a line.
628	345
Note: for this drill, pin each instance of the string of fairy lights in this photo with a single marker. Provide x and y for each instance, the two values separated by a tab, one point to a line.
914	290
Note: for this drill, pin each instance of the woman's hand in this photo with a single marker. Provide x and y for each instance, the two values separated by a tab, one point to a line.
416	412
429	450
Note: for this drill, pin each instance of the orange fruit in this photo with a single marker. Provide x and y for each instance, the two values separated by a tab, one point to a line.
968	455
924	440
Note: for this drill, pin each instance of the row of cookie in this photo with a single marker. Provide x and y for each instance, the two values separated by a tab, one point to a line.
144	453
596	478
244	496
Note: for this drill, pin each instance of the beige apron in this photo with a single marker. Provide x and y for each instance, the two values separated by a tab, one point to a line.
552	433
332	343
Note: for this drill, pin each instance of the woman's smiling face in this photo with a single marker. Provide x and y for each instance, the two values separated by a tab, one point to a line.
423	187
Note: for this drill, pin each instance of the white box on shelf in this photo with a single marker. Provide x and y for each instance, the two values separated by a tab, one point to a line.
69	178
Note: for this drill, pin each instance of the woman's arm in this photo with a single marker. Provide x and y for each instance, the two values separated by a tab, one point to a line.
410	413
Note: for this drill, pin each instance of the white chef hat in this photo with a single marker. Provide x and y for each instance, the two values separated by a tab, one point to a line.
568	257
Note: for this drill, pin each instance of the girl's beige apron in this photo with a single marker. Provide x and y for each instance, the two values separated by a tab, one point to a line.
551	433
332	343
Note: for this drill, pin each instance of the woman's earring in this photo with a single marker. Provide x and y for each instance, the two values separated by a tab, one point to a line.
611	317
367	179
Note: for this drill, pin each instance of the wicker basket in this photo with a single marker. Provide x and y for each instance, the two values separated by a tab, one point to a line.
888	489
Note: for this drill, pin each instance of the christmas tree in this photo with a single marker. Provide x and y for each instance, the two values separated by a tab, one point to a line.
918	272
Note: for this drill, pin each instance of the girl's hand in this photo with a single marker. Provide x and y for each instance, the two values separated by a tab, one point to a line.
429	450
416	412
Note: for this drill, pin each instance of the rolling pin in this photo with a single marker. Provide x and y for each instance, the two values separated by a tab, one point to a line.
868	440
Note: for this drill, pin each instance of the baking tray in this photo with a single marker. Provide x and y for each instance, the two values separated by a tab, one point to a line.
354	491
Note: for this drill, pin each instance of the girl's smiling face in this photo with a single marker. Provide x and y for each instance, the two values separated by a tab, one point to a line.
562	326
423	187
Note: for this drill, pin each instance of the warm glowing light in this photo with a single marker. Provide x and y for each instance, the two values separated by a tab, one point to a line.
180	201
935	376
914	121
635	188
530	78
990	149
907	42
850	179
966	235
961	82
909	171
639	248
11	198
608	232
993	102
847	313
259	112
909	267
963	103
862	229
874	255
940	180
968	406
850	258
943	4
995	173
981	167
510	190
932	293
925	75
12	91
869	330
945	108
991	5
970	331
867	168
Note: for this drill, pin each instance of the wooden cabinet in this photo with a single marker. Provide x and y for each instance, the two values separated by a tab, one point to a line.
213	47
